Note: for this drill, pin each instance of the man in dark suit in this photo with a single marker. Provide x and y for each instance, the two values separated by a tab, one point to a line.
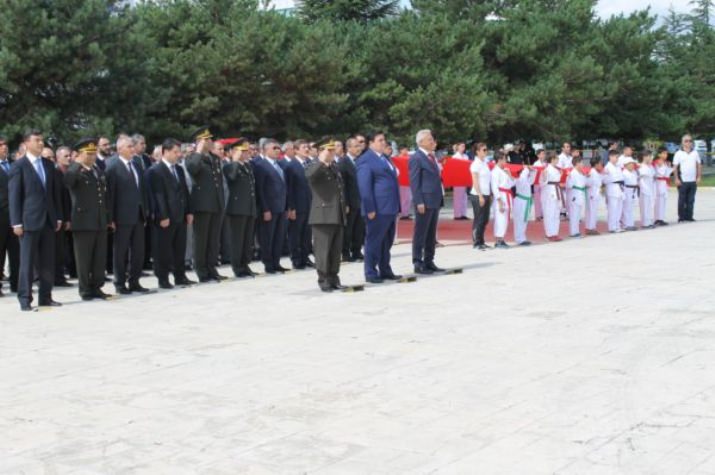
380	203
61	236
128	207
9	245
299	198
426	185
272	205
327	215
144	162
171	213
35	216
207	204
90	218
354	234
241	210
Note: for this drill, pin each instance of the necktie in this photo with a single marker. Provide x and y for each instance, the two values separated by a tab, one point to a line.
433	160
173	170
5	166
279	170
40	171
132	174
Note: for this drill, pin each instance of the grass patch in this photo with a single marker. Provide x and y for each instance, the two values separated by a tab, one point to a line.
708	180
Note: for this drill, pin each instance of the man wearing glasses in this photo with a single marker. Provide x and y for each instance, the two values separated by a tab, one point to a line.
688	171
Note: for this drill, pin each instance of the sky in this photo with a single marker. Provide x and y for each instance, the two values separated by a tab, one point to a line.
605	8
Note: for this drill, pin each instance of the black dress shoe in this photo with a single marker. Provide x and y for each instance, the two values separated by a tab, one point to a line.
136	287
346	258
184	282
88	297
270	270
218	277
165	284
281	269
122	289
326	288
99	294
49	303
358	256
206	280
374	280
309	263
26	307
298	266
391	277
431	266
424	270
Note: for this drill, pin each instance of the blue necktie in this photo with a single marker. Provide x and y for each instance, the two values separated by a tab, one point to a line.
6	166
279	170
40	171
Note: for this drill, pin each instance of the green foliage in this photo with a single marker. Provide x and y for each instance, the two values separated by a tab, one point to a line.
485	69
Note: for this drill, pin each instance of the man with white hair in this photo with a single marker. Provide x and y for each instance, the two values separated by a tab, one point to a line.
688	172
426	187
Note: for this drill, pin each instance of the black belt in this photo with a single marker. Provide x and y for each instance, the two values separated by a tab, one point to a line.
557	184
635	187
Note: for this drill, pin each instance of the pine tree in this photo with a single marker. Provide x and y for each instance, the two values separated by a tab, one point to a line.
347	10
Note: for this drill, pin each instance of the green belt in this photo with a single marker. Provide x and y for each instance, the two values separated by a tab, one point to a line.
529	200
581	188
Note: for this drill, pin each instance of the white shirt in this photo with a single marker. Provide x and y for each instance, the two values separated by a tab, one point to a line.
576	182
565	161
594	182
688	162
485	177
128	165
646	179
612	174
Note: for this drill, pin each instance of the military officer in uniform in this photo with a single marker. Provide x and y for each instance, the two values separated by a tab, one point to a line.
327	215
241	209
207	202
90	218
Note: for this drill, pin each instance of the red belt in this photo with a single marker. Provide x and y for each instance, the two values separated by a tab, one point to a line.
666	179
508	196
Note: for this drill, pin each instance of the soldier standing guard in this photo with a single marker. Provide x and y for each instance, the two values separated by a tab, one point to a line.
207	202
327	216
90	219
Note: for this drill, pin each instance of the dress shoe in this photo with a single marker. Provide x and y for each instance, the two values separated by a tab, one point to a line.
270	270
88	297
326	288
501	245
136	287
309	263
281	269
431	266
26	307
347	258
337	286
184	282
422	269
218	277
165	284
250	272
391	277
206	280
63	283
49	303
525	243
374	280
298	266
359	256
122	289
99	294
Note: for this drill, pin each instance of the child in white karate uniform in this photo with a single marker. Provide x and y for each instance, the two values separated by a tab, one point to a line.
632	193
646	182
576	186
551	198
522	204
539	164
613	179
662	181
594	182
501	187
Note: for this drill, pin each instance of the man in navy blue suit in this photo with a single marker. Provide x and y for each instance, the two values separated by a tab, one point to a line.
271	199
35	217
426	186
380	199
299	199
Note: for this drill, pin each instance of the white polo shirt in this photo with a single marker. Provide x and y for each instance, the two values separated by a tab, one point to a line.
485	177
688	164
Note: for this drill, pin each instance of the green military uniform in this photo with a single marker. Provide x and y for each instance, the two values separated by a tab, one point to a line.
241	212
207	202
327	218
89	218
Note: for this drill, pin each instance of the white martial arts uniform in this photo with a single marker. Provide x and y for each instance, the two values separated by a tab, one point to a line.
563	163
538	211
662	180
594	181
459	193
522	203
646	181
551	199
576	184
630	181
501	187
613	179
